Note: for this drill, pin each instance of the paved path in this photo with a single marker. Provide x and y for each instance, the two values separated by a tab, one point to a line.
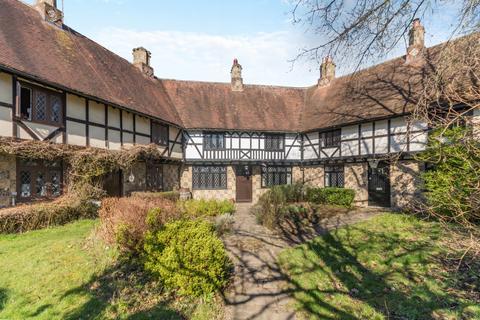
259	289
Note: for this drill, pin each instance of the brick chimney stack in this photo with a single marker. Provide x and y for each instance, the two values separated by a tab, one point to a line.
236	74
416	41
327	71
49	11
141	60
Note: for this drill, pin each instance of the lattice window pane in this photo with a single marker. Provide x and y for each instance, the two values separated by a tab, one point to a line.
25	184
41	106
40	185
55	183
56	109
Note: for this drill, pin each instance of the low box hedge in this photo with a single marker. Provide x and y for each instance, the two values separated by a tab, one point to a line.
331	196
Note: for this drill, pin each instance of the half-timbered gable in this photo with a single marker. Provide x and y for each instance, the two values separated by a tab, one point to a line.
242	146
376	138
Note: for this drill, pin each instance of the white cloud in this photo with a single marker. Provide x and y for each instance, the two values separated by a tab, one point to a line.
200	56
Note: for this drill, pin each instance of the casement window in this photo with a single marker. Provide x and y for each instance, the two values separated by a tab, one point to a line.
154	177
38	179
159	134
274	176
214	141
331	139
274	142
40	105
335	176
209	177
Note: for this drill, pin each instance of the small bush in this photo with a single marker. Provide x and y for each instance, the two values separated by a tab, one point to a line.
331	196
206	208
124	221
188	256
224	223
270	208
169	195
293	192
63	210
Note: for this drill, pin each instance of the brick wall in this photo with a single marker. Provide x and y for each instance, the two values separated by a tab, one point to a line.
314	176
406	184
8	172
356	178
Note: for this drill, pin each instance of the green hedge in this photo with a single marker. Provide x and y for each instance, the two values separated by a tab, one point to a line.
331	196
188	256
206	208
170	195
45	214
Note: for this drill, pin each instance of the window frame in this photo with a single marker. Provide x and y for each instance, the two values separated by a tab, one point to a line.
207	141
274	138
157	137
50	95
155	169
39	166
288	175
196	170
334	170
331	138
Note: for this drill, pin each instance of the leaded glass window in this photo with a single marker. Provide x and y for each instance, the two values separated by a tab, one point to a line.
55	115
334	176
214	141
332	138
275	175
40	106
209	177
39	179
274	142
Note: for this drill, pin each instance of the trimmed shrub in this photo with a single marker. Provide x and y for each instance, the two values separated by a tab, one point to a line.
293	192
188	256
125	221
63	210
206	208
270	208
169	195
331	196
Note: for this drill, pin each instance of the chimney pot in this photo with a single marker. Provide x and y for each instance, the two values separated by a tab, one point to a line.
327	71
49	11
416	41
236	75
141	60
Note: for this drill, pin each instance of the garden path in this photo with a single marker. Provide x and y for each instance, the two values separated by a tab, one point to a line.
260	290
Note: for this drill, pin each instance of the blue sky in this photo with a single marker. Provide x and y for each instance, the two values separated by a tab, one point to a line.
198	39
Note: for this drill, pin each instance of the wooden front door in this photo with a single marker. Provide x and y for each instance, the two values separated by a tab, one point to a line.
379	185
243	184
112	184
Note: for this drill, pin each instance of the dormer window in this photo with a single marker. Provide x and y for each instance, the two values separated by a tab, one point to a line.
331	139
40	105
159	134
274	142
214	141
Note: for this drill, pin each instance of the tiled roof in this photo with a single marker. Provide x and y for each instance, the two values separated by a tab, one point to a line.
64	57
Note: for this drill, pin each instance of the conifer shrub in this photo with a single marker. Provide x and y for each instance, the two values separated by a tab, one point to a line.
188	256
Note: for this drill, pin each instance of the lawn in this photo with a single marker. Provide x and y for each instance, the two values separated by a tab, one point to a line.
390	267
68	273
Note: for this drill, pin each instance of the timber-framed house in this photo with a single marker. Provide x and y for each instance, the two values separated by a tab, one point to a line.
218	140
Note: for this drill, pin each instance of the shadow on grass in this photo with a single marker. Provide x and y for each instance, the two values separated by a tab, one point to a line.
122	289
333	277
3	298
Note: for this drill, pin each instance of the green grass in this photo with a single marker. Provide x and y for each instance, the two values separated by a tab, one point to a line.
68	273
390	267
